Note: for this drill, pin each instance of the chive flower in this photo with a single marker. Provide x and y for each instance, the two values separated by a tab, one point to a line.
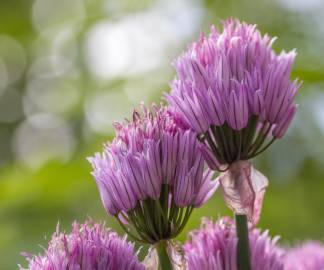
235	92
89	246
307	256
213	247
151	176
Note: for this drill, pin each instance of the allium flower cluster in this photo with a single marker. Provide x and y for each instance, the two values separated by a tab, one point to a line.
308	256
88	247
151	175
213	247
235	92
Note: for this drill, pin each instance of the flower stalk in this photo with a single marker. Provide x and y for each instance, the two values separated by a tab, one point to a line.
243	247
162	252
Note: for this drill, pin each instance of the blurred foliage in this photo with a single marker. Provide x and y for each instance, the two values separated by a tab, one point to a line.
44	176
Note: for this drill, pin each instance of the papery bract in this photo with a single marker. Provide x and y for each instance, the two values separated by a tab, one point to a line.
243	189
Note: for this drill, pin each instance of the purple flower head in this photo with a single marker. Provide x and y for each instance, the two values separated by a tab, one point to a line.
89	247
151	175
213	247
308	256
234	91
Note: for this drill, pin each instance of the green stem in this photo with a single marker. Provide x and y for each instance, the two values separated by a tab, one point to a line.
243	249
164	260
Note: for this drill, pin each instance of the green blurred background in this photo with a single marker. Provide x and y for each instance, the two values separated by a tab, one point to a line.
69	68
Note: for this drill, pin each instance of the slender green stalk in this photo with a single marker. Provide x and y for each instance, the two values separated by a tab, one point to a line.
164	260
243	247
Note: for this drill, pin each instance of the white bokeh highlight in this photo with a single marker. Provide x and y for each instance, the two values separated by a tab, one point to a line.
138	43
12	60
106	107
42	138
55	14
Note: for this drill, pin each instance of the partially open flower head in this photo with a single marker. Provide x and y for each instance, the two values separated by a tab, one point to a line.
88	247
307	256
152	175
213	247
235	92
